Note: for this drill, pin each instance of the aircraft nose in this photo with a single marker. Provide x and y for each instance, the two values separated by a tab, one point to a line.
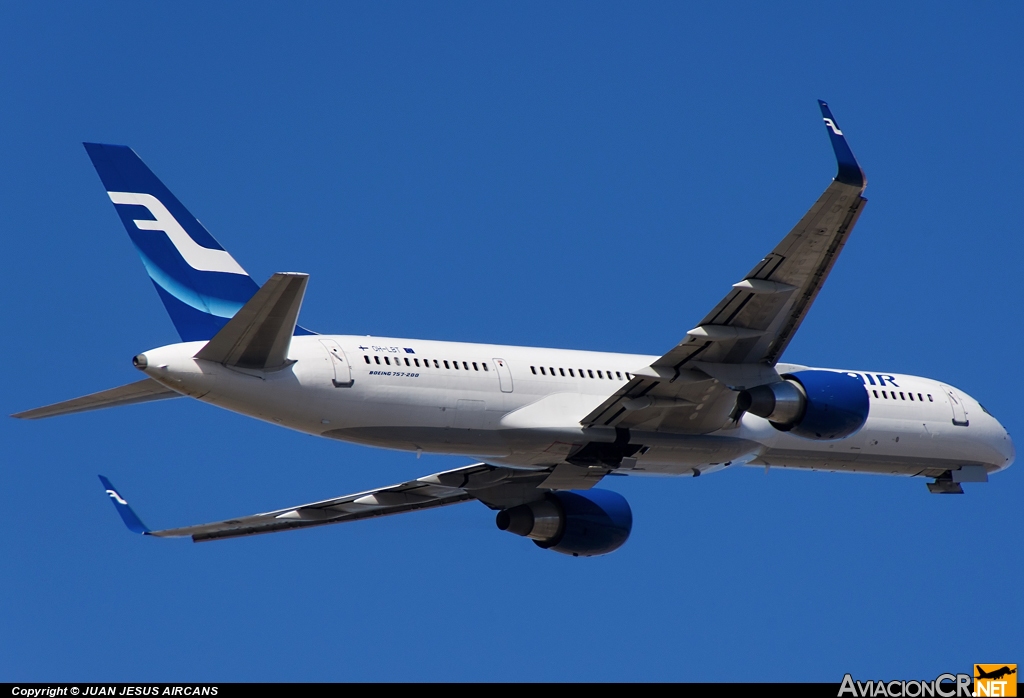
1008	449
999	440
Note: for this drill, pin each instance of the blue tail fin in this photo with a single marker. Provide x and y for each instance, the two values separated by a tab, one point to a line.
201	285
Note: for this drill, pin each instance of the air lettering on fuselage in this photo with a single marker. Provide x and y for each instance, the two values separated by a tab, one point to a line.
870	378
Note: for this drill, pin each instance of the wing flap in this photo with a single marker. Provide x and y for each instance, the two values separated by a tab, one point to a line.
142	391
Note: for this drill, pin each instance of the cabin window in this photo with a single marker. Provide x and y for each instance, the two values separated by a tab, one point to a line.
919	397
387	361
599	374
485	367
875	392
377	359
465	365
417	362
582	374
475	366
456	363
619	374
628	377
407	361
446	365
930	398
590	373
561	371
911	395
901	397
533	370
571	374
552	371
367	358
543	372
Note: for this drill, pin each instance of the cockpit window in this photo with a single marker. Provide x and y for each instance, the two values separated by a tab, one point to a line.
984	410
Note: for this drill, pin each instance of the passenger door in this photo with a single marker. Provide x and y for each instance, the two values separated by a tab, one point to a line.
957	403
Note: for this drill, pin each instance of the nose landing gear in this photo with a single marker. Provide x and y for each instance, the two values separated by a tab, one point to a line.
949	481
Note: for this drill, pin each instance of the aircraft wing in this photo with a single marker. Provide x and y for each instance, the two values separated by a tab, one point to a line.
691	389
495	486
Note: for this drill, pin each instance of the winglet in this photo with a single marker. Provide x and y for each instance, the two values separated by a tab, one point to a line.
849	170
131	520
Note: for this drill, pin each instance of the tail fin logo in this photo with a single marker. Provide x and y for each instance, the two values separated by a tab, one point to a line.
196	256
832	125
116	497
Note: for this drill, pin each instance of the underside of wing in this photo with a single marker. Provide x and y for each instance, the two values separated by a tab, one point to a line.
692	388
586	523
495	486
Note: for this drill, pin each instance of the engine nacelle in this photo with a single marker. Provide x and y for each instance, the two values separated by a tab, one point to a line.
821	405
587	523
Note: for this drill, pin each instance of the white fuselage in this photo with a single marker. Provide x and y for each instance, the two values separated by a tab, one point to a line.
522	407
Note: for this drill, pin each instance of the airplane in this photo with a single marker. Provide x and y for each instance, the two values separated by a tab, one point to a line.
543	425
995	674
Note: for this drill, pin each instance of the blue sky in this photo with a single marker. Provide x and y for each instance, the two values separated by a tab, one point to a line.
577	175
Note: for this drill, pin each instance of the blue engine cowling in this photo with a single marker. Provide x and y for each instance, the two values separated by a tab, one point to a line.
822	405
587	523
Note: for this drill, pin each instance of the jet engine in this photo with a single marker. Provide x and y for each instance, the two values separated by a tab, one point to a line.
587	523
820	405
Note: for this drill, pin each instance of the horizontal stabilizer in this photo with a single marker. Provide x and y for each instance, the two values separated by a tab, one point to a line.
260	333
142	391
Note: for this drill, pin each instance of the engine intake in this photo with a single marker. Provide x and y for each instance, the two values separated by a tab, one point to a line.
823	405
587	523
